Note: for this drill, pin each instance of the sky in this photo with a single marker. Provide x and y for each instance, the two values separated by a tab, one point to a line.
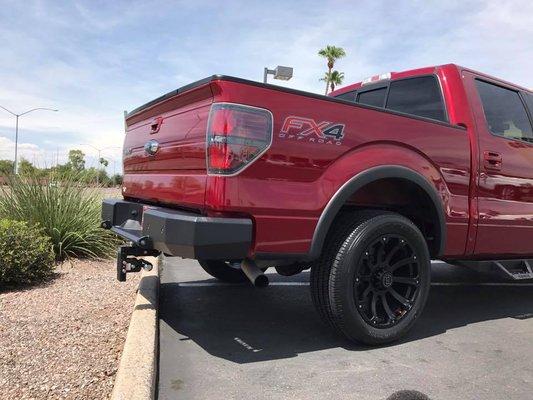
92	60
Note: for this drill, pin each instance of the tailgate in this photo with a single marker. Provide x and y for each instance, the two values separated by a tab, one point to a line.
164	149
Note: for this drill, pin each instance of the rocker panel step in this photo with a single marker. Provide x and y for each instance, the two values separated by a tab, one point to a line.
516	269
512	269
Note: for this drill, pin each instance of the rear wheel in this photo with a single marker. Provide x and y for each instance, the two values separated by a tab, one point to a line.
321	268
379	280
224	271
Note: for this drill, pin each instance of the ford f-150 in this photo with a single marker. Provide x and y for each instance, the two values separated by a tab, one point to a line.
363	187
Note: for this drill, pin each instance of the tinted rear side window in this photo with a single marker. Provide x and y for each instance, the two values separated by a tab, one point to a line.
350	96
529	101
504	112
417	96
374	97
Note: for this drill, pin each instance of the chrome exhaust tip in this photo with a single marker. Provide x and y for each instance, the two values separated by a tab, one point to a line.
254	273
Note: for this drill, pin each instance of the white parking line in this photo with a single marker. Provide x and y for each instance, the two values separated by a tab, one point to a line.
481	284
209	284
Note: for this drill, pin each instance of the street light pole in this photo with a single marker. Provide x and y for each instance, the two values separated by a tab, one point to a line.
17	116
265	74
15	166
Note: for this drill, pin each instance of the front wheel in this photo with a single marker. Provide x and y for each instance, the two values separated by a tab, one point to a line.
379	280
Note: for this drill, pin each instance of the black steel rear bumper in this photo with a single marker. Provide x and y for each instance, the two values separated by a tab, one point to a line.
178	233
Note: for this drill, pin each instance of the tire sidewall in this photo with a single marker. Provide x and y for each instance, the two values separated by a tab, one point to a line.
367	233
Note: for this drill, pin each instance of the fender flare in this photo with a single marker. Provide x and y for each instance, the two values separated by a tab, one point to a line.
368	176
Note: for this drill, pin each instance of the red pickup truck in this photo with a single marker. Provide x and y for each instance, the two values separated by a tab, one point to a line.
364	187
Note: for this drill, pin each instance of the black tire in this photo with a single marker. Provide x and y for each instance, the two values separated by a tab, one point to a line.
223	271
379	280
344	223
346	269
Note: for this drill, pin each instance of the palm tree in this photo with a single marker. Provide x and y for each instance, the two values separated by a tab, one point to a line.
325	78
103	162
331	54
333	78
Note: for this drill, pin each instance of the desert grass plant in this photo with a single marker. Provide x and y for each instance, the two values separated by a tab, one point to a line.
67	212
26	254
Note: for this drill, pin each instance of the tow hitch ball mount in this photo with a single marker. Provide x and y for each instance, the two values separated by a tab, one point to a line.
128	262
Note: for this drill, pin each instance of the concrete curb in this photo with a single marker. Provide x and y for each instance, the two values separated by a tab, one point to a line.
137	372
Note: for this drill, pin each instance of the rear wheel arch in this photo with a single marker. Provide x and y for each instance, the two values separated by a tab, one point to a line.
373	175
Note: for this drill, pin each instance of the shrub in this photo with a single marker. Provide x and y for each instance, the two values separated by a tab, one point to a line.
68	213
26	254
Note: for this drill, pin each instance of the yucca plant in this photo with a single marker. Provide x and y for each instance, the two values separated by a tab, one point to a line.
67	212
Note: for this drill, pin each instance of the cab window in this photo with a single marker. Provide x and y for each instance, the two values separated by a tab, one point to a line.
349	96
375	97
504	112
417	96
529	101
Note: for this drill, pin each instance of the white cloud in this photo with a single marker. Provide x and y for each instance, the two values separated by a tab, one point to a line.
50	154
93	61
491	36
29	151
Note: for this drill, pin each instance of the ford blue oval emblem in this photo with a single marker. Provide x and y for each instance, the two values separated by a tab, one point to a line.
151	147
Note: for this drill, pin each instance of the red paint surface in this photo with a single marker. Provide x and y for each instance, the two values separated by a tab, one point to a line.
286	190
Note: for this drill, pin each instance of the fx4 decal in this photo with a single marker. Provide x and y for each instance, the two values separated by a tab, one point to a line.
301	128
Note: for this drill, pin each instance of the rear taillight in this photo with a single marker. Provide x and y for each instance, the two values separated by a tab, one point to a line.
237	135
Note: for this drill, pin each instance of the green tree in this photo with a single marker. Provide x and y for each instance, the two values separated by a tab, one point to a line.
334	78
331	54
116	180
103	162
26	168
103	178
76	160
6	167
94	175
62	170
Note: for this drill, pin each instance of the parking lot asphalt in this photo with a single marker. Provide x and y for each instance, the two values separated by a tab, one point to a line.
219	341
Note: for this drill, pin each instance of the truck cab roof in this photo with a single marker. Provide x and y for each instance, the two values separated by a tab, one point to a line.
430	70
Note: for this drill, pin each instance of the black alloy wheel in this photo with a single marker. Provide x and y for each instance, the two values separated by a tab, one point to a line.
372	280
387	281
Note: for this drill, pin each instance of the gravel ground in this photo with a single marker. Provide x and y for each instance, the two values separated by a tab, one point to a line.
63	339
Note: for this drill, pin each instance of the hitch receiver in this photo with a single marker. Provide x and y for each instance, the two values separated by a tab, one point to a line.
127	260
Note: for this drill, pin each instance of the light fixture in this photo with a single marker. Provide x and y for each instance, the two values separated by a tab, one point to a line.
280	72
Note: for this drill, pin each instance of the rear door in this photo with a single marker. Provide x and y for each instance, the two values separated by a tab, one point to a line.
505	185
